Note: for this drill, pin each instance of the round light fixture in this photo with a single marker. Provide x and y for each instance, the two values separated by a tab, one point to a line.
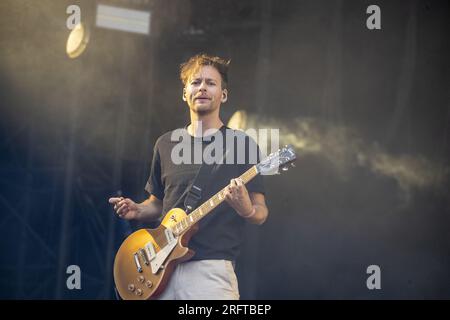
77	41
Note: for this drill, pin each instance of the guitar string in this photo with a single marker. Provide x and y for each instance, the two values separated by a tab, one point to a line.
209	205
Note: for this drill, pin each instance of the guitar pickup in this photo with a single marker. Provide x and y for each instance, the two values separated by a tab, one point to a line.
169	235
150	249
144	257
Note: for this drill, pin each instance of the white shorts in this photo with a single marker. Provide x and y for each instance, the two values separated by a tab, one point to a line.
202	280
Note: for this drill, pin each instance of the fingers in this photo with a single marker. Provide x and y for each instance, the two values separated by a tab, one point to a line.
123	209
236	184
121	205
114	200
231	188
234	189
228	193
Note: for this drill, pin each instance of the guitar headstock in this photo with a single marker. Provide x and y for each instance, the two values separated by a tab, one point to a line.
280	159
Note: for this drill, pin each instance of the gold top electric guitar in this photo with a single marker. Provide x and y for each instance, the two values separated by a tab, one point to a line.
147	257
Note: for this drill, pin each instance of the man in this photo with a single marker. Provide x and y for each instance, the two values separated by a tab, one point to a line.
210	273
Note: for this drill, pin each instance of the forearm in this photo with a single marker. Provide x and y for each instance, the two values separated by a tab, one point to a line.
259	215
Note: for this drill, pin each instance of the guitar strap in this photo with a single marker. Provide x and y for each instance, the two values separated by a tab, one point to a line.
202	180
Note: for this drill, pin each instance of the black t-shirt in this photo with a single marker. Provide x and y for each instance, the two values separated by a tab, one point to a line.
220	233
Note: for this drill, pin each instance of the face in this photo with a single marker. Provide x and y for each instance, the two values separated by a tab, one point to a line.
203	91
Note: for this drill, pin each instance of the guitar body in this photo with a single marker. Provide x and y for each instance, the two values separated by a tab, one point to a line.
134	279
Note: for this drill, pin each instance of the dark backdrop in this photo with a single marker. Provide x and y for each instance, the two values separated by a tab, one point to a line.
367	110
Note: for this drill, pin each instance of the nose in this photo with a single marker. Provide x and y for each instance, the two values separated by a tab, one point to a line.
202	86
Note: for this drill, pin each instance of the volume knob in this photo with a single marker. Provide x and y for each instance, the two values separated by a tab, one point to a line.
131	287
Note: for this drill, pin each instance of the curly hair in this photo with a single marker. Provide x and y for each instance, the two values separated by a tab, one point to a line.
187	69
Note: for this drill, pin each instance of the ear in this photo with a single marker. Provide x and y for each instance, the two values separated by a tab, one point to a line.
224	95
184	94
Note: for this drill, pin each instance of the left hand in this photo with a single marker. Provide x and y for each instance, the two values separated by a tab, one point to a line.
236	194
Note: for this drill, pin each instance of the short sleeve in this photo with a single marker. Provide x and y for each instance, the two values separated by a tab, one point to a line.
154	183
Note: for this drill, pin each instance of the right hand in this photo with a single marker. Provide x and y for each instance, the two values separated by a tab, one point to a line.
125	208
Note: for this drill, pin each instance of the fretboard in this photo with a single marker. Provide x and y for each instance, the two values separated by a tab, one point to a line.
209	205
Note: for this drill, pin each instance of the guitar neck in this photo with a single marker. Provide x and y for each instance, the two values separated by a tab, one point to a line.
209	205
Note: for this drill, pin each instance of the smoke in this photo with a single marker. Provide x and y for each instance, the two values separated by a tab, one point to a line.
345	149
409	172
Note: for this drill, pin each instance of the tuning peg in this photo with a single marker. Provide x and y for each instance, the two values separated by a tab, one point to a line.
292	165
285	168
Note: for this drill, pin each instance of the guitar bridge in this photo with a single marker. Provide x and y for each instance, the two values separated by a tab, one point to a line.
138	264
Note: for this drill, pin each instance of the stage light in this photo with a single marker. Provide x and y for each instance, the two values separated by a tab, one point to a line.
77	41
238	120
122	19
261	130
